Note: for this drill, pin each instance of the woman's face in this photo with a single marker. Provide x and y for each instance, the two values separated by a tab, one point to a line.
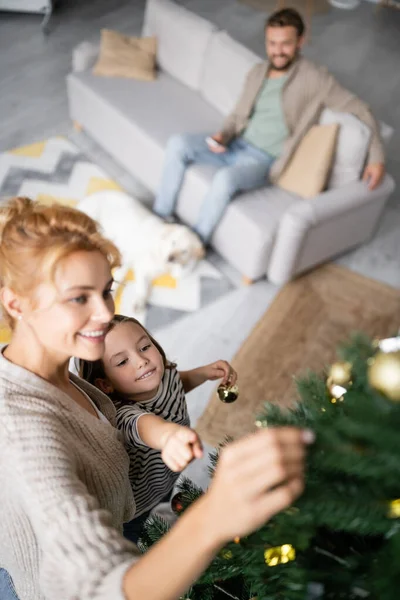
70	316
132	364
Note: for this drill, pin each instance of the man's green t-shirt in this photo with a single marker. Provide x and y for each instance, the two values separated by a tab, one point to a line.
267	129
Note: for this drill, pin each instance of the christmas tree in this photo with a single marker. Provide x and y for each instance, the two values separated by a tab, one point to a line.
342	538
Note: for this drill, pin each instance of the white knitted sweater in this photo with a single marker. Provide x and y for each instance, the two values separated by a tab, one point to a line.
64	492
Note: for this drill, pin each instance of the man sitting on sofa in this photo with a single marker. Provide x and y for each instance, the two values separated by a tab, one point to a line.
281	99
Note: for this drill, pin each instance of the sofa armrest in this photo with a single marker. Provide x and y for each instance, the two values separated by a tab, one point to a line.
312	231
84	56
331	203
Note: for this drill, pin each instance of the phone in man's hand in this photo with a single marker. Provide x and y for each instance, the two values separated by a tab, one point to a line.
213	143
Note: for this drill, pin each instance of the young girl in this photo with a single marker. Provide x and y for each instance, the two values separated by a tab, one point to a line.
149	394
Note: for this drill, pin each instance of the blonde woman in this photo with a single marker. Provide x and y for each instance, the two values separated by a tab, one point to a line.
64	487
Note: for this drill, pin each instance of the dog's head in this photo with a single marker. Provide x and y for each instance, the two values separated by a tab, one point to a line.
181	248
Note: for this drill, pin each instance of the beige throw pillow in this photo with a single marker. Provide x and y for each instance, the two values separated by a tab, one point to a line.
123	56
308	171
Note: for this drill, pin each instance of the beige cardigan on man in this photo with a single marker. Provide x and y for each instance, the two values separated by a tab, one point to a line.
309	88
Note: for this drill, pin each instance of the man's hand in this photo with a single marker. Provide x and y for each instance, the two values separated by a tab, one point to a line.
217	149
373	174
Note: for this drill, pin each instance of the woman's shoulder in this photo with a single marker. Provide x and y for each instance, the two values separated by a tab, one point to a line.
24	395
102	401
28	417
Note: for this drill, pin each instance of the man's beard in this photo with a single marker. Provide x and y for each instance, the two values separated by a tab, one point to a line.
285	66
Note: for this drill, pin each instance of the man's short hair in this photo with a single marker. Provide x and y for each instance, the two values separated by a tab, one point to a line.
287	17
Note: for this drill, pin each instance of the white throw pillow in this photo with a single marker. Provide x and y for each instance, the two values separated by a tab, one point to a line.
84	55
351	147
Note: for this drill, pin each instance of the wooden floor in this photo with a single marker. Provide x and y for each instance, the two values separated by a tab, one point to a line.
361	47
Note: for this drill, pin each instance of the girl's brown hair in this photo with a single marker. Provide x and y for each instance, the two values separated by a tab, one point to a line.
93	370
34	238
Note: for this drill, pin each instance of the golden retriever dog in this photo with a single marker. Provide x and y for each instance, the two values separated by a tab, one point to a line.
147	244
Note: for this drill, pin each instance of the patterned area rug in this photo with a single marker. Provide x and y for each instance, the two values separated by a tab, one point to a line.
300	330
56	171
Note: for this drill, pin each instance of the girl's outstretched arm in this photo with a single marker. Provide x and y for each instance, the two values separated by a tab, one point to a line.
220	369
179	445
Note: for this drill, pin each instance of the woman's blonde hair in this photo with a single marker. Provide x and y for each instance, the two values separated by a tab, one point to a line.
34	238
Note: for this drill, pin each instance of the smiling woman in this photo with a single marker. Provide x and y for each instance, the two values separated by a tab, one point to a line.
64	487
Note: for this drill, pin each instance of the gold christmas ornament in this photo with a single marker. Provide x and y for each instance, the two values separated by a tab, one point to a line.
394	509
340	374
339	379
384	374
236	540
279	555
228	393
227	554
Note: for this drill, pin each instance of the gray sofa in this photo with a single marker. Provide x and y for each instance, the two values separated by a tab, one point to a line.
201	72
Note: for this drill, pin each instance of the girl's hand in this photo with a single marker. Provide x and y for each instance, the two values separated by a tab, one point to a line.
256	477
220	369
181	447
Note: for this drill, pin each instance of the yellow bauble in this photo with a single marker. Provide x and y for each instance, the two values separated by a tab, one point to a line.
228	393
394	509
340	374
384	374
279	555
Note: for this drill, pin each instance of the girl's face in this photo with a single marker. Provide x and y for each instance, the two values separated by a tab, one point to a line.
132	364
70	316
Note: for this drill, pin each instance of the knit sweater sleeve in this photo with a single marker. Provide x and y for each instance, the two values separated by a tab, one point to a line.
81	555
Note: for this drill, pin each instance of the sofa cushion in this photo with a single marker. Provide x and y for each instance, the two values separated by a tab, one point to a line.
124	56
134	120
182	39
351	148
246	234
309	168
226	65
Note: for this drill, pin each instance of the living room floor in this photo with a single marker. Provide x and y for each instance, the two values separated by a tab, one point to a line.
360	47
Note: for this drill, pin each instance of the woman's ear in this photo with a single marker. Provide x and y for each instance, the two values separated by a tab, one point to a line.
104	385
12	303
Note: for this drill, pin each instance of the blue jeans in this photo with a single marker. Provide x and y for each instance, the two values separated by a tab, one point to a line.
242	167
7	591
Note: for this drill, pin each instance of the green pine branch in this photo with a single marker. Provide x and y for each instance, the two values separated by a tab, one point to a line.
346	542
